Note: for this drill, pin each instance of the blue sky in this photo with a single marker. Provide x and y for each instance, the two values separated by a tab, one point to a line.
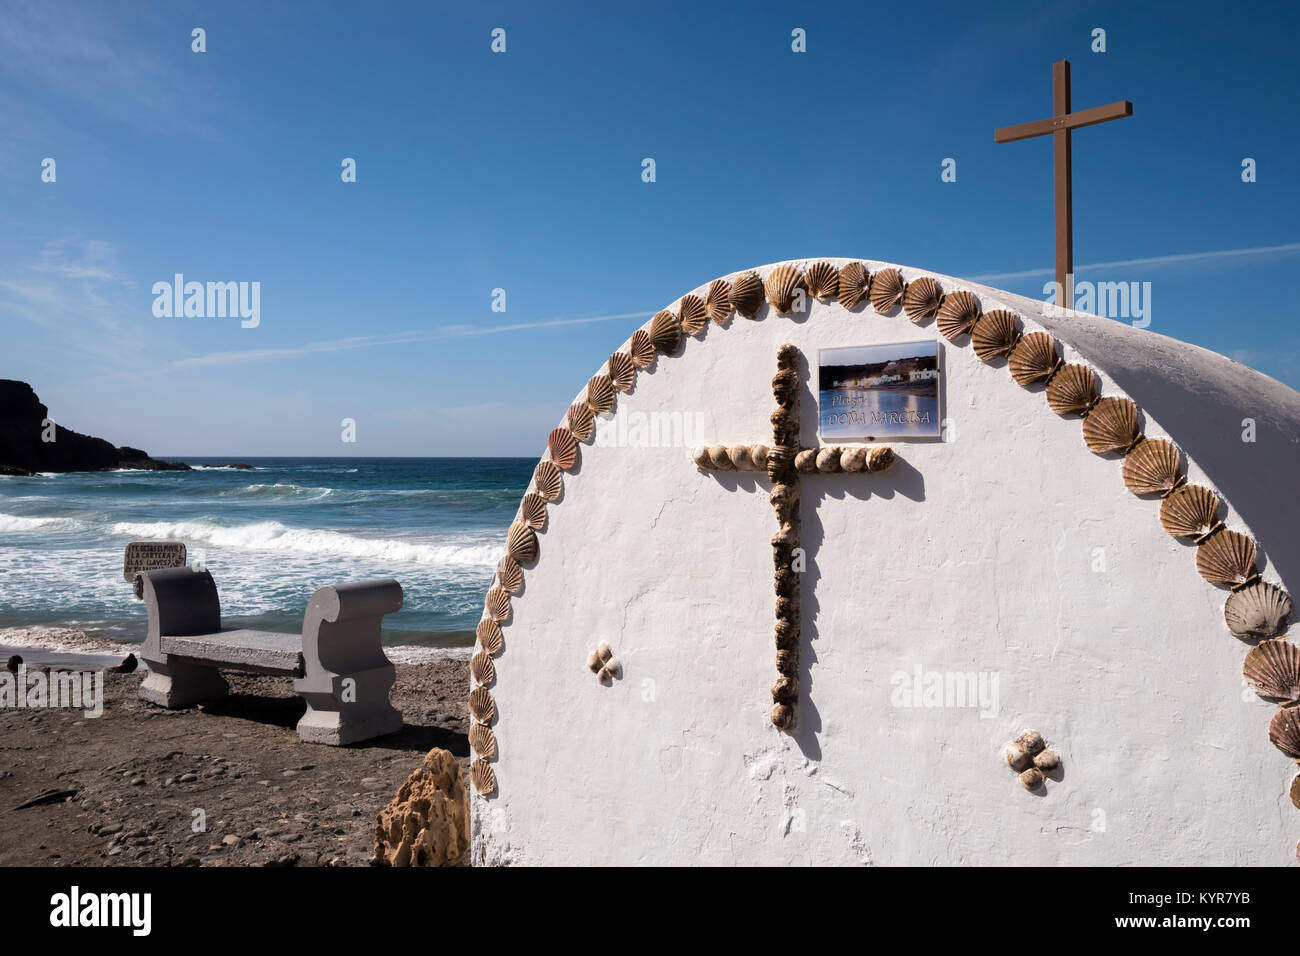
522	171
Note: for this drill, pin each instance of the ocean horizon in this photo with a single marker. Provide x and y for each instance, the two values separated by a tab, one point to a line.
270	535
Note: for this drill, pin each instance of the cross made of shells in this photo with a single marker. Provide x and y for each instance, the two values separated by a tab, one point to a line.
603	663
784	460
1028	756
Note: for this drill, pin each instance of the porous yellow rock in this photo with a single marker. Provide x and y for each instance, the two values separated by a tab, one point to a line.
427	823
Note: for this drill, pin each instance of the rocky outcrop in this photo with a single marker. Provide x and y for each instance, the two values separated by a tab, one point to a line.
427	823
26	448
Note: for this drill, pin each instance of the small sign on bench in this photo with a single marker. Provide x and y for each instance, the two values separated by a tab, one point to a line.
152	556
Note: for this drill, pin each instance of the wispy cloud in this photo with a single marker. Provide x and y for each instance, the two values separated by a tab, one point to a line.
1184	258
76	287
96	54
238	356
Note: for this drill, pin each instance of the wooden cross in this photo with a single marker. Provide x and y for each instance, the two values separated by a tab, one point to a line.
784	460
1061	123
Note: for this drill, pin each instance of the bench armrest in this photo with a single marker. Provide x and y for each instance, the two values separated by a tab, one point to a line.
341	632
347	602
180	601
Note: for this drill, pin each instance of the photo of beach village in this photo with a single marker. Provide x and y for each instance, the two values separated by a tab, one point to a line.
879	391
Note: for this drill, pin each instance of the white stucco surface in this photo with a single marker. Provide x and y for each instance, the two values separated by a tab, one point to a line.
1009	550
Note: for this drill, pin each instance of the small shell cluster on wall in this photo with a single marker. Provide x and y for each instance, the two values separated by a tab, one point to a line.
1029	757
603	663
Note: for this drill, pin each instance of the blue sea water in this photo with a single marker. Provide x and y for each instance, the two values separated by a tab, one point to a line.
270	537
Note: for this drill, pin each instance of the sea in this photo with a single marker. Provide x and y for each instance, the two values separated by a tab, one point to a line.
270	536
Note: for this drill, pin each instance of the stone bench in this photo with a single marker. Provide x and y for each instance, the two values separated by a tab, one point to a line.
338	664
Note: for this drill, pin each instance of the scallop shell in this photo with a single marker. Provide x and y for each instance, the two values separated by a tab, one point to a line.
994	335
582	420
854	284
483	740
720	456
1112	425
880	458
1018	759
782	716
510	576
611	669
957	315
806	461
600	393
1258	612
532	511
489	635
604	652
1031	741
922	299
1295	792
498	604
740	457
692	315
521	542
665	332
1072	390
758	457
854	459
828	459
747	294
700	455
822	280
481	666
1047	761
1284	731
481	775
787	662
1031	779
1272	669
717	301
785	384
622	371
1189	512
548	480
562	447
1033	358
1151	467
1227	558
641	349
594	663
886	290
780	287
481	705
780	462
785	690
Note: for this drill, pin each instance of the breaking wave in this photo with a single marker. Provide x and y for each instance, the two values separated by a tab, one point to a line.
276	537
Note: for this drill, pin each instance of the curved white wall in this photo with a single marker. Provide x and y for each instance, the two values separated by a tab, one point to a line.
972	555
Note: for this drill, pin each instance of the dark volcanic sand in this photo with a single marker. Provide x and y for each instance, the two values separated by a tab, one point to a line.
269	799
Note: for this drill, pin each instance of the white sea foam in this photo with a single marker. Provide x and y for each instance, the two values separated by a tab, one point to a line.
274	536
63	640
18	523
279	490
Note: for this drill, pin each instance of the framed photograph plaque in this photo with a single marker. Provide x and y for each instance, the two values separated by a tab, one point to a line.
877	392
